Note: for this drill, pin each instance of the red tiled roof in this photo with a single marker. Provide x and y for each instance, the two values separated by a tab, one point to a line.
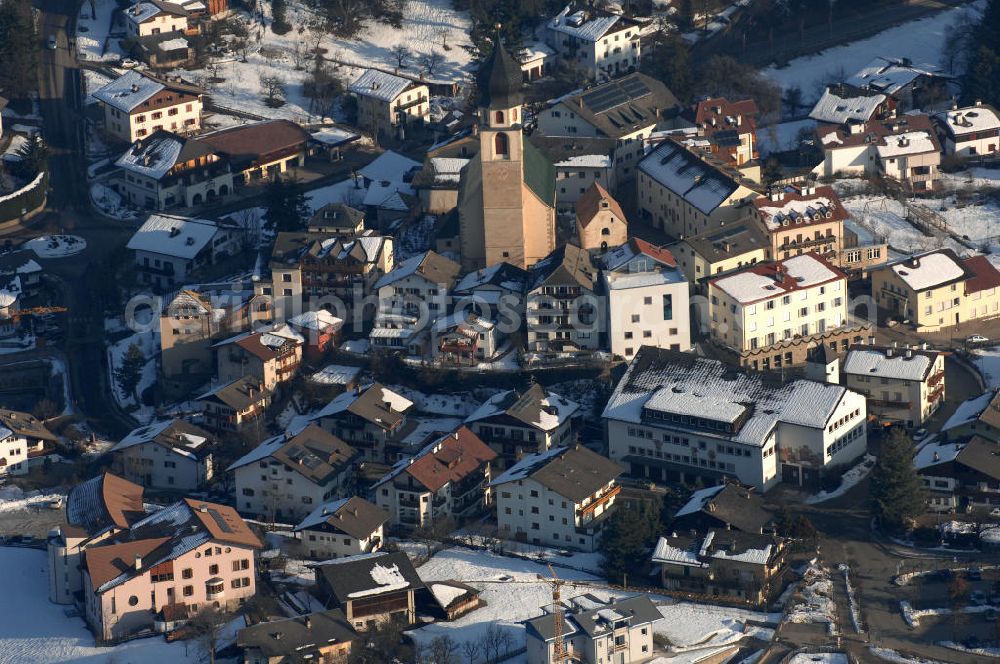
984	275
590	204
659	253
108	562
459	454
223	523
705	110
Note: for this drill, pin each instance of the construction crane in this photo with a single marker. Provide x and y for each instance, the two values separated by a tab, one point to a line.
37	311
559	647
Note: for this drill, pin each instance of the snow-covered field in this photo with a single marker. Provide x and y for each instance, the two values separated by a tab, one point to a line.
430	26
988	362
92	33
149	343
13	499
921	41
689	625
784	136
35	631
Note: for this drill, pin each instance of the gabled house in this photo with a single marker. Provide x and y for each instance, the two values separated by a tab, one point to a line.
323	636
463	339
962	475
979	415
137	104
684	193
674	417
737	566
165	170
338	220
911	86
235	405
371	589
647	299
561	498
938	289
155	17
626	110
489	291
177	560
600	220
388	104
290	475
260	151
580	163
721	250
727	506
169	249
171	454
371	418
564	311
843	104
596	42
514	423
446	481
728	126
970	132
619	631
320	331
96	509
25	442
272	357
342	528
906	386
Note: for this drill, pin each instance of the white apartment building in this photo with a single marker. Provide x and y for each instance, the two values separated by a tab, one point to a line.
387	102
155	17
342	528
683	194
675	417
618	632
769	309
412	295
137	104
560	498
904	385
647	299
290	475
13	453
972	131
626	110
601	44
446	480
171	454
168	249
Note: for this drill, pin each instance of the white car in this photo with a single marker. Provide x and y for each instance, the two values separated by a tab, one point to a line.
52	43
129	63
976	339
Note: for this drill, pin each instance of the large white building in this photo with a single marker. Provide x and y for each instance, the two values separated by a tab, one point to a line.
290	475
386	101
647	299
676	417
601	44
561	497
137	104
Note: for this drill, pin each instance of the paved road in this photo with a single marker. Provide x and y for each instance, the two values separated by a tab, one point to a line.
68	211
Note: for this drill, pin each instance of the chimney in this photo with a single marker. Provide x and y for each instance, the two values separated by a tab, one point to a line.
937	457
909	353
203	508
979	102
309	622
138	561
889	352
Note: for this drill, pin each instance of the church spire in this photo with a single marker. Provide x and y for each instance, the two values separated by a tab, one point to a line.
499	78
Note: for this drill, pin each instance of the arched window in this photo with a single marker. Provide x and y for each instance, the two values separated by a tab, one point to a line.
605	231
500	145
498	118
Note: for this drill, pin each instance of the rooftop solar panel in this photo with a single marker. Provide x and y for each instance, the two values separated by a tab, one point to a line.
221	522
615	94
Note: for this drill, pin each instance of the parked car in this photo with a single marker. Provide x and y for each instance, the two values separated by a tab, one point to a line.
974	574
977	339
919	434
129	63
977	597
52	43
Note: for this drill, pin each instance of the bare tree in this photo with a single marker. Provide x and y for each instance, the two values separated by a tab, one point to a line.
402	55
441	650
471	650
214	68
249	228
494	642
298	56
206	628
273	87
431	61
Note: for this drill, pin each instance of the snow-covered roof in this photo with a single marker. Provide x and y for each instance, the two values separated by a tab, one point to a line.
153	157
318	320
181	437
728	545
911	142
534	51
141	12
128	91
936	452
889	363
889	75
586	161
969	120
536	407
665	552
769	280
175	44
929	270
390	166
335	374
970	410
447	169
688	176
837	109
179	237
430	266
379	85
587	25
333	136
698	500
705	389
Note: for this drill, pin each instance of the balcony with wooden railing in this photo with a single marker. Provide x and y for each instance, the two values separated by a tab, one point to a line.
591	507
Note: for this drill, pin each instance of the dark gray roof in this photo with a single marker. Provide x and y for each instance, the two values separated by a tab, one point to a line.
572	472
637	610
499	79
981	455
354	575
298	638
353	516
239	394
738	506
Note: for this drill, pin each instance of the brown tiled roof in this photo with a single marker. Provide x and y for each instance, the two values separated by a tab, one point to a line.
223	523
766	208
566	264
316	454
590	204
104	501
110	561
981	455
253	344
371	405
355	516
246	144
876	131
722	111
984	275
26	425
640	110
239	394
452	458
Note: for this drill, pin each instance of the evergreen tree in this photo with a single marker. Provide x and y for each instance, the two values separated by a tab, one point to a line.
982	80
897	493
626	541
129	373
671	64
18	49
285	205
279	11
32	158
